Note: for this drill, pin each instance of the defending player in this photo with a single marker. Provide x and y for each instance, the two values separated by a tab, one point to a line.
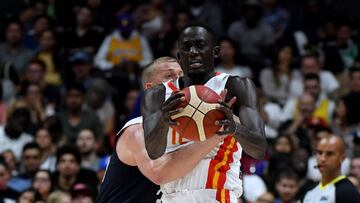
130	170
216	177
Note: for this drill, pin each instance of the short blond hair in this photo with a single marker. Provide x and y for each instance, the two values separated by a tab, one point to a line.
149	70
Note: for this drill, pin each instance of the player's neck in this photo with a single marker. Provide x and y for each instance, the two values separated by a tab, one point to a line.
327	178
199	79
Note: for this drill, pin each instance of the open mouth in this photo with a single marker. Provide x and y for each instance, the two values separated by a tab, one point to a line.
195	64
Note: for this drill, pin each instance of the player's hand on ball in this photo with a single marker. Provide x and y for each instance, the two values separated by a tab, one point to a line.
228	124
167	107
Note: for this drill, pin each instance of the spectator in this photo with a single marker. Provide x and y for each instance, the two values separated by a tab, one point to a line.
123	44
9	80
69	172
355	167
52	57
310	64
253	36
59	197
341	53
275	80
13	136
227	62
266	197
84	36
6	192
352	99
98	101
81	193
87	144
12	51
11	162
81	69
31	160
330	152
35	74
287	186
324	107
32	38
74	118
29	195
207	13
54	125
276	16
48	149
42	183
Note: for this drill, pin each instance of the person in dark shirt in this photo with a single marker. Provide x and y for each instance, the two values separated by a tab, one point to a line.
333	187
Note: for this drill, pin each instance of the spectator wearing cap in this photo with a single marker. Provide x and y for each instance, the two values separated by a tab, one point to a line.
69	172
12	51
324	107
81	67
84	36
74	118
81	193
123	44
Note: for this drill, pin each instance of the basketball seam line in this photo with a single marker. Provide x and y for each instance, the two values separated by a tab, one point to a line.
188	123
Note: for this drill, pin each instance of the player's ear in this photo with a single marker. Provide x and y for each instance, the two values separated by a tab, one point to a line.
148	85
216	51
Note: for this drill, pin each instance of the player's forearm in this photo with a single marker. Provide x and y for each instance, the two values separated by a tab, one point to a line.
156	136
184	160
253	142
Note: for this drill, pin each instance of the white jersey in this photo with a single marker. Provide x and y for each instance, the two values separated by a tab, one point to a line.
217	175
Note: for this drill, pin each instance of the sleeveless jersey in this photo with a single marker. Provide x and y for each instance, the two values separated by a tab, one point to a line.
220	169
124	183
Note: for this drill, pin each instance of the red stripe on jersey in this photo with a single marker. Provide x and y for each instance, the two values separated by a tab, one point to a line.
172	86
227	196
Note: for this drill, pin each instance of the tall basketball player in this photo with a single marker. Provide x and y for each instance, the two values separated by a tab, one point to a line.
216	177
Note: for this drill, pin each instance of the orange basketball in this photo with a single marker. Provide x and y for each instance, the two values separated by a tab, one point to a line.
197	120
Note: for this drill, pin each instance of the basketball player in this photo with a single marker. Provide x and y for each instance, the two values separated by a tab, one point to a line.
216	177
130	171
333	187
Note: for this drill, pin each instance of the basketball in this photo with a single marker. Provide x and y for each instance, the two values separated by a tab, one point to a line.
197	120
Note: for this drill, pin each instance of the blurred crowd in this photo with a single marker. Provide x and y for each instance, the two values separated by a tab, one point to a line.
71	77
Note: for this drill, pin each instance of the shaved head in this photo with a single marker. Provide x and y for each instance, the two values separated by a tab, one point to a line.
334	140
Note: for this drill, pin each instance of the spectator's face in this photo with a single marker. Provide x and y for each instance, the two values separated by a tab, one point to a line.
86	142
287	189
227	51
41	25
355	167
81	70
67	165
33	94
131	99
4	177
341	109
47	40
13	34
329	155
307	105
355	82
310	65
285	55
42	183
313	87
182	20
31	159
27	197
283	145
43	139
74	100
197	52
82	199
344	34
84	17
10	159
35	73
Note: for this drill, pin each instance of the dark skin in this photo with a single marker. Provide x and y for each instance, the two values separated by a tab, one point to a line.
196	57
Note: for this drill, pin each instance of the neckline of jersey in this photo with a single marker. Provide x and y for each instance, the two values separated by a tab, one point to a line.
337	179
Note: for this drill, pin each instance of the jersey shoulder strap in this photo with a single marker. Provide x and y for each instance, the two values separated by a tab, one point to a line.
133	121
